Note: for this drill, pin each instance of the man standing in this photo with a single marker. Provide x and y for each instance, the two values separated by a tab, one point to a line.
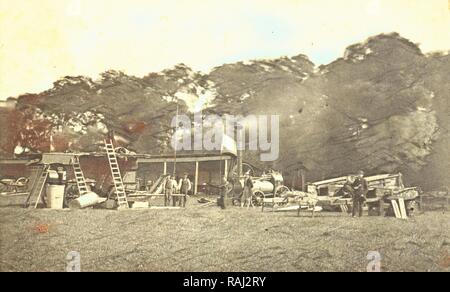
247	192
185	186
225	187
360	188
169	187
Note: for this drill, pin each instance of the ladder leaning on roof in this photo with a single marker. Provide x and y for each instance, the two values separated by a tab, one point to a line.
79	176
122	201
38	187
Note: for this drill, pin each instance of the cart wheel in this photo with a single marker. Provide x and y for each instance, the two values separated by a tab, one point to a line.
248	168
257	198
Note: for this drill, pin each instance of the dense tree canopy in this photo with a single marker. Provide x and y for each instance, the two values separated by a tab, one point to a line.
383	107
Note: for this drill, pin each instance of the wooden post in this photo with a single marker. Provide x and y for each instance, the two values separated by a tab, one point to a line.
293	182
302	175
165	168
381	208
196	178
225	171
239	163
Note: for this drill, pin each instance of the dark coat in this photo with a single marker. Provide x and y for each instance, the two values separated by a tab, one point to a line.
248	183
360	186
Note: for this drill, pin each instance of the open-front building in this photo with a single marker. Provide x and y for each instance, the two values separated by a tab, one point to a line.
141	169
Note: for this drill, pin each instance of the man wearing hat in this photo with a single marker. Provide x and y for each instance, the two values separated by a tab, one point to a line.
247	193
360	188
169	187
185	186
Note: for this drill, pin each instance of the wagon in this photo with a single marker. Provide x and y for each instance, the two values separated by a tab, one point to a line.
12	185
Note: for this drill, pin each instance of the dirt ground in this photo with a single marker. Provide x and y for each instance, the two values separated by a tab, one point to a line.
211	239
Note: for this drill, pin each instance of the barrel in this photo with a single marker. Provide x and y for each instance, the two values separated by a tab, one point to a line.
55	196
86	200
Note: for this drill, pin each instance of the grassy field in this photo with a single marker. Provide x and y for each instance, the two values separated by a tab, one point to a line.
211	239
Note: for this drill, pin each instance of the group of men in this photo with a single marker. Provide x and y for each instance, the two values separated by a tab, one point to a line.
247	192
184	185
172	187
356	187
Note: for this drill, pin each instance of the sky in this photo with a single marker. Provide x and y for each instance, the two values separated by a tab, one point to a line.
44	40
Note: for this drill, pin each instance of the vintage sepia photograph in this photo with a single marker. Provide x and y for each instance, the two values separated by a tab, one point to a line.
246	136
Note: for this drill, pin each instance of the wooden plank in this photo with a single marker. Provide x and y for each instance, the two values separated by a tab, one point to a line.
40	192
207	204
196	178
396	209
157	184
139	205
401	203
37	172
14	161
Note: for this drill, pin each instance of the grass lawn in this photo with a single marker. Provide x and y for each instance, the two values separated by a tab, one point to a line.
211	239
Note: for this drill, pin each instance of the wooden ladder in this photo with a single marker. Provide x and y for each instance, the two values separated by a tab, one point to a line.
38	187
116	176
79	176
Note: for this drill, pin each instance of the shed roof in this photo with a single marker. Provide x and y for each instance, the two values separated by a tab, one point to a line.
342	179
65	158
